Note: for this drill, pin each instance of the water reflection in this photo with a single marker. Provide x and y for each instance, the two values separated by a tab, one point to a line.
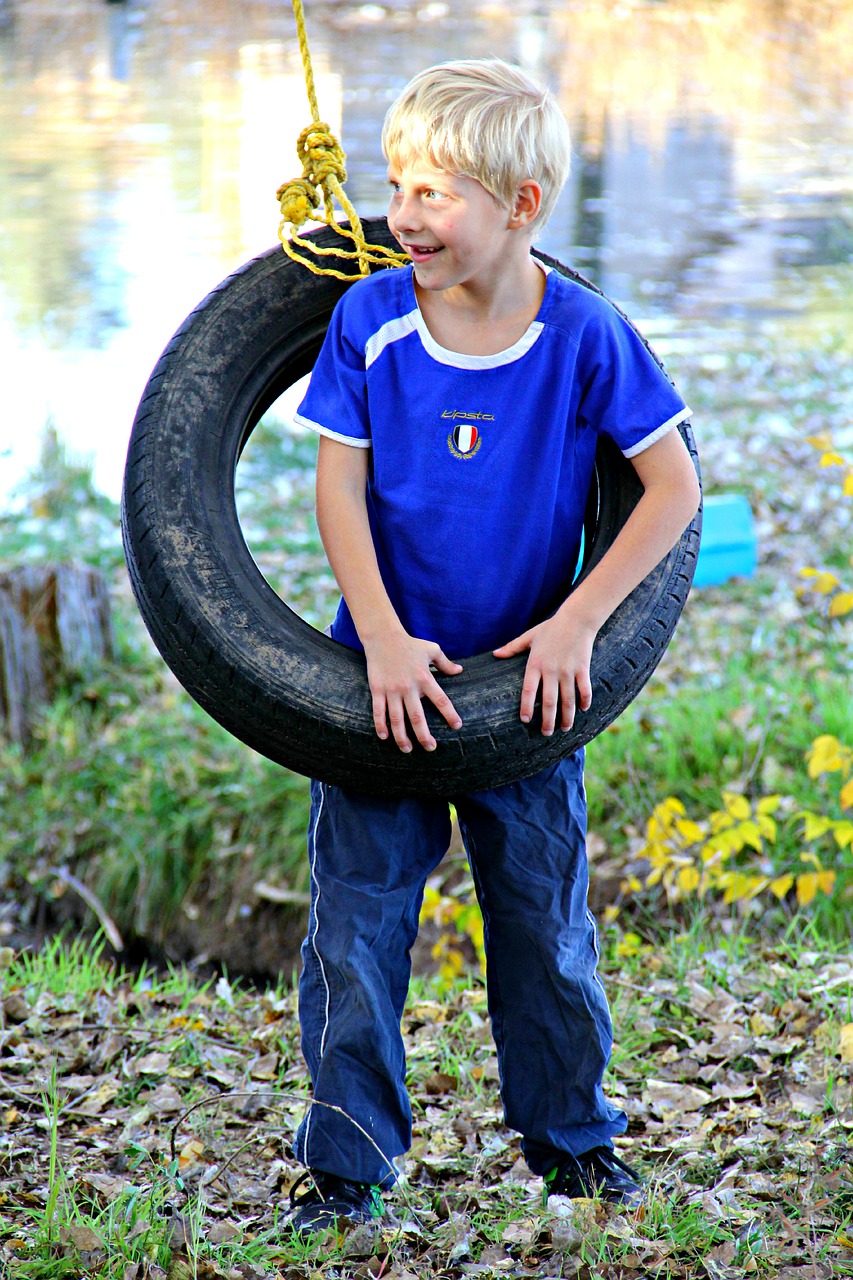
141	145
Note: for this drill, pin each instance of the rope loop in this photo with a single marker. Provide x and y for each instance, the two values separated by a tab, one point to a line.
313	196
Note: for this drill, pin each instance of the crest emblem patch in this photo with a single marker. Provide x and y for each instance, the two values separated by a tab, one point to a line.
464	440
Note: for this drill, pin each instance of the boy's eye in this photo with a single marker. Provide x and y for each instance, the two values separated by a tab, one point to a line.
428	193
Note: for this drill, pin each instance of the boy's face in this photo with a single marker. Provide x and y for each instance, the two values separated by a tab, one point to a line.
452	228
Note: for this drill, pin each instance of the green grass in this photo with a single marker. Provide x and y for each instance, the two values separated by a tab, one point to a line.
461	1205
77	968
72	969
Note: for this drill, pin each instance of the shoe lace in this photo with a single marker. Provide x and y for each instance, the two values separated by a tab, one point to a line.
310	1196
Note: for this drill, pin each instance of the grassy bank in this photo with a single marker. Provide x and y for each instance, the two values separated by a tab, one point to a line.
170	822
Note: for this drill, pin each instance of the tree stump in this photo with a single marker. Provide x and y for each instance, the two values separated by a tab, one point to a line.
54	622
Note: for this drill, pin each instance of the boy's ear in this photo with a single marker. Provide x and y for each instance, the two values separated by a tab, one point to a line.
528	202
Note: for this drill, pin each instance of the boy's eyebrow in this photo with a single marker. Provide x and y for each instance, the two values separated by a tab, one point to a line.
439	177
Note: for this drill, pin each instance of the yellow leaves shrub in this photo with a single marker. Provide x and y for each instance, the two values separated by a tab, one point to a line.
732	852
731	855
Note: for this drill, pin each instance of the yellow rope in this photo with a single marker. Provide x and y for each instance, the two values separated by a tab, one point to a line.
323	175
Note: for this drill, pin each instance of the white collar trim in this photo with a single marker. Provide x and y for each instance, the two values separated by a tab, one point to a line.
460	359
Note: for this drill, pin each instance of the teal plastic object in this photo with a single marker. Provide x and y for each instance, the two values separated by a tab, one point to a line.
729	547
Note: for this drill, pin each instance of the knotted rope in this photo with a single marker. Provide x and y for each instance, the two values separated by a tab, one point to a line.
312	196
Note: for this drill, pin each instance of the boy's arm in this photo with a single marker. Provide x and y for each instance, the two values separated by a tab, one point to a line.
561	647
398	665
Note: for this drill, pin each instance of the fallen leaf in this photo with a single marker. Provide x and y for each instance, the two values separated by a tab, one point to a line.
805	1104
761	1025
265	1068
438	1083
190	1153
223	1232
152	1064
94	1104
520	1232
720	1204
670	1095
107	1185
81	1237
808	1271
16	1009
165	1099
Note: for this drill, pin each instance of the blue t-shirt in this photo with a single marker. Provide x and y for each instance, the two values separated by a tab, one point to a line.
480	465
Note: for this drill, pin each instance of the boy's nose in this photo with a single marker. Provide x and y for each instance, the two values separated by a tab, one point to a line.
403	216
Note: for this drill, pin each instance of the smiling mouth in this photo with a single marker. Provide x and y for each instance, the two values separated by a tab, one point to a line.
419	251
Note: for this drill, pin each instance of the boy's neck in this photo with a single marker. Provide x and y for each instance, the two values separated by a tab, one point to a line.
483	322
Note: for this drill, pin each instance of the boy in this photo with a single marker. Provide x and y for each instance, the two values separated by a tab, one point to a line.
458	403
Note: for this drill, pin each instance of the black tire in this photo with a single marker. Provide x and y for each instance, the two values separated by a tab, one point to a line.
282	687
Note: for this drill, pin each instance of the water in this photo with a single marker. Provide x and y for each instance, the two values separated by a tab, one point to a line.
141	144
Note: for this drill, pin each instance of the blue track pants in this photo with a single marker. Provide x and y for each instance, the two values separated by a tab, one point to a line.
369	860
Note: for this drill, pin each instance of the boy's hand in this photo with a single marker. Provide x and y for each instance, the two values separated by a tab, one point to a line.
398	671
559	660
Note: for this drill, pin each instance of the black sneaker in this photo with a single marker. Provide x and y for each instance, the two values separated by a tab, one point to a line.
596	1172
332	1202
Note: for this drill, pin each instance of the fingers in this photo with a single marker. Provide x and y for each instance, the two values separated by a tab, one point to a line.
551	689
414	708
584	692
567	704
392	711
444	664
380	723
433	690
397	719
444	706
410	710
558	697
555	673
403	710
513	646
529	689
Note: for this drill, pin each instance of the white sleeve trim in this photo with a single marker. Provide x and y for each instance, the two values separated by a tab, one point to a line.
356	441
391	331
647	441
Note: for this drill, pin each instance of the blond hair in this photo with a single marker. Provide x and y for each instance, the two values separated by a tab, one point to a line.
483	119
